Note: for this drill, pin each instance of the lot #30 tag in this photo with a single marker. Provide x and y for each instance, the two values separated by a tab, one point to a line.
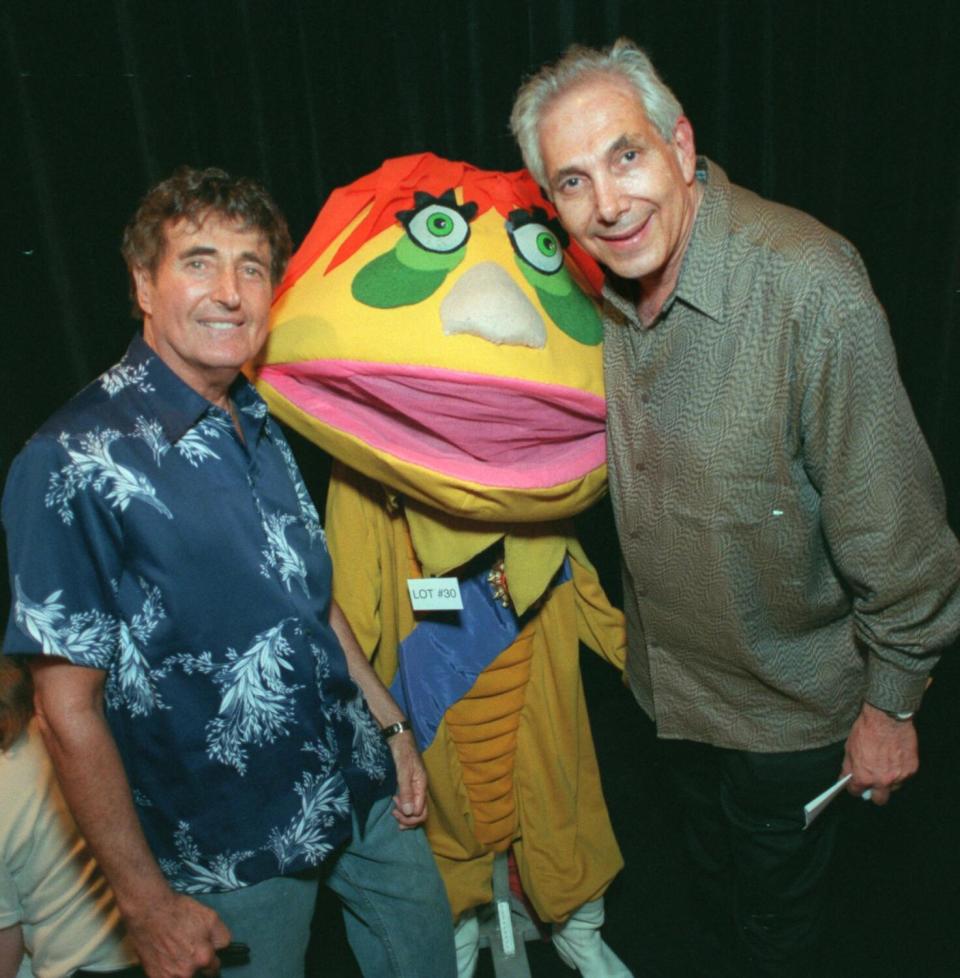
435	594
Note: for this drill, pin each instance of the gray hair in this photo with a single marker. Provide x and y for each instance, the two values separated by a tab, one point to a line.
623	59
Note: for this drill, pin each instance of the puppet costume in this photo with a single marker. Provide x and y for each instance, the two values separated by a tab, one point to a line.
434	334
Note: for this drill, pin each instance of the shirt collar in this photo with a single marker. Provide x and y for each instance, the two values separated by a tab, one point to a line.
178	407
699	285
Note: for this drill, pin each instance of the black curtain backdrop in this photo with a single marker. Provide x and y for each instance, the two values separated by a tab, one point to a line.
845	109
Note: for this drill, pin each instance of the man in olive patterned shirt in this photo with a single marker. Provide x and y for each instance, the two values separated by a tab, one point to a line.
789	575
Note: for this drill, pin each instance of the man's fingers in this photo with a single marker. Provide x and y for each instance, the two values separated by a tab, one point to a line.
220	934
409	815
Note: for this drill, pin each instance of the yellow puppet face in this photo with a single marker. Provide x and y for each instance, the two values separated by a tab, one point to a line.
438	339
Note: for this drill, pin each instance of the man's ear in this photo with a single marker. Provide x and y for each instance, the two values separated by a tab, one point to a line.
143	280
684	146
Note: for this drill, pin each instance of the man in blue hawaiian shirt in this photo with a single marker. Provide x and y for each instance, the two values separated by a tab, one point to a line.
219	735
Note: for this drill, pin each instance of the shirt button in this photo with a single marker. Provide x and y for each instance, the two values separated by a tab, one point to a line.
644	398
639	467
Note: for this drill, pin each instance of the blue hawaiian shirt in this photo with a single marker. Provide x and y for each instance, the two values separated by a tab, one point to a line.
146	539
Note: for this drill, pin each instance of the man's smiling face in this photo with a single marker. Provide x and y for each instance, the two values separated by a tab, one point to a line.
206	303
621	190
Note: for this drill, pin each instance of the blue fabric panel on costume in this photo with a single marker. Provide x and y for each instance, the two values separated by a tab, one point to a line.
442	657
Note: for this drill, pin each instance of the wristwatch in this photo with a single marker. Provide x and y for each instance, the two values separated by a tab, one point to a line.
901	716
394	729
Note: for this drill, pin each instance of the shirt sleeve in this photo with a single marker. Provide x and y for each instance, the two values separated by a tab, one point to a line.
883	509
64	552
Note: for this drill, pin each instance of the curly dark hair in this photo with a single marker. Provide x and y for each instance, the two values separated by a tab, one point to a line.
16	700
193	194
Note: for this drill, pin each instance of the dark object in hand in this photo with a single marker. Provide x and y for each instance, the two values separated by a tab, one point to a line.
234	954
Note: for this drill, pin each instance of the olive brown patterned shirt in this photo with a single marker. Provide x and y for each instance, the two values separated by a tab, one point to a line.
785	549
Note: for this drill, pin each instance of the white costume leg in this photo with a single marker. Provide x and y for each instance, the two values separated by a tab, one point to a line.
466	936
580	946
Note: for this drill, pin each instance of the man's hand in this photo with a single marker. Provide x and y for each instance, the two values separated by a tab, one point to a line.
174	935
881	753
177	937
410	801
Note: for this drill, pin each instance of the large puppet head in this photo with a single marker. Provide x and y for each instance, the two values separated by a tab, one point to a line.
433	332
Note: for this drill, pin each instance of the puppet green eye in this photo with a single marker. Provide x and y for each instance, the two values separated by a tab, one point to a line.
438	228
439	224
547	244
539	247
539	242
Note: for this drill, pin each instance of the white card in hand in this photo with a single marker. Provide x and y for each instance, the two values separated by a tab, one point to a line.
814	807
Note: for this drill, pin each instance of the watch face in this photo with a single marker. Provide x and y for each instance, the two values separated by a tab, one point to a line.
900	715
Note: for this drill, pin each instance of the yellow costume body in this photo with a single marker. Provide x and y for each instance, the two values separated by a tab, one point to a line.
434	337
513	762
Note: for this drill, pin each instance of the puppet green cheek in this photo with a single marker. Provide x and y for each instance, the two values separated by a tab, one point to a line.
385	283
575	314
566	305
404	276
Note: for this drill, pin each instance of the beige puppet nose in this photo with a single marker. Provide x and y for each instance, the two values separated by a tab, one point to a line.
487	302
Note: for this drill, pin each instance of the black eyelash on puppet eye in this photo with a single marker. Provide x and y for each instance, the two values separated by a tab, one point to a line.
422	200
516	219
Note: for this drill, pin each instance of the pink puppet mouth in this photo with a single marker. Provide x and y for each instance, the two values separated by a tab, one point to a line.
491	431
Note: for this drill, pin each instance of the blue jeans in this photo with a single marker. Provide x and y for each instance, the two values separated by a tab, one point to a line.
398	920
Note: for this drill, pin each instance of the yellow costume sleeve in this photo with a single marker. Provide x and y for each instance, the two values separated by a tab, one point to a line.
361	539
600	626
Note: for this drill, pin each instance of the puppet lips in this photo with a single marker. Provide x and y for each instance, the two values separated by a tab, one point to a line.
474	428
